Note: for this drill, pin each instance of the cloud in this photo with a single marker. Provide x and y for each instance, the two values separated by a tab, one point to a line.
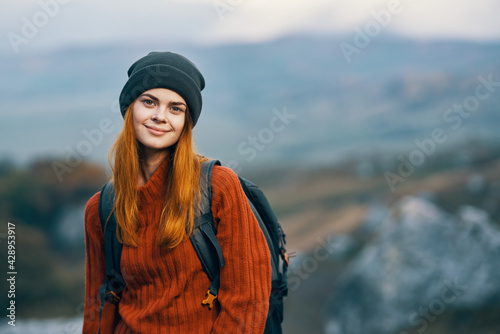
216	21
449	18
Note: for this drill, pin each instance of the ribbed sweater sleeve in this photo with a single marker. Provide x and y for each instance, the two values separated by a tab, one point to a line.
246	277
95	271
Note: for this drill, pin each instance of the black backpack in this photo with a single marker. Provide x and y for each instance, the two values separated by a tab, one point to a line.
205	243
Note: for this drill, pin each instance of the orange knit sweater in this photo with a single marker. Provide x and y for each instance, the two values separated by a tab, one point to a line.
165	287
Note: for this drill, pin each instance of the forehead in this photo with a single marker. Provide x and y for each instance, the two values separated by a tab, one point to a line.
164	94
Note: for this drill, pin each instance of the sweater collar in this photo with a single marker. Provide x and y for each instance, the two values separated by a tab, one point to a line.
155	187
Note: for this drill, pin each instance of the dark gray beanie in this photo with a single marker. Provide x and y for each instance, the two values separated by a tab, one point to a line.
164	70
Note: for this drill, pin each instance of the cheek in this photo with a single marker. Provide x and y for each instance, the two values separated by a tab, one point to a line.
178	122
139	116
135	123
136	115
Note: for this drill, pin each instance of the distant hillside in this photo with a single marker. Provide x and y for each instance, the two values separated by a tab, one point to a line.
393	92
341	211
332	206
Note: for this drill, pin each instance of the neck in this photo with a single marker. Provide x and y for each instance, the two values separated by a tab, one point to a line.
150	162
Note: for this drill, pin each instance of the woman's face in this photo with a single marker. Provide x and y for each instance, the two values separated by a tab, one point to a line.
159	115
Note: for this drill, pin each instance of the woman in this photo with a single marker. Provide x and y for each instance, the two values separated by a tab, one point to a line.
156	176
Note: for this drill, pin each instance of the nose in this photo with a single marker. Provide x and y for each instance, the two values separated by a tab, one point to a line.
160	115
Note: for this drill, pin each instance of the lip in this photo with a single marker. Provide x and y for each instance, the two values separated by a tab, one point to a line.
155	130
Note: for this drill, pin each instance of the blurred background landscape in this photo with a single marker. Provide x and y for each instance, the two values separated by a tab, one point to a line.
378	149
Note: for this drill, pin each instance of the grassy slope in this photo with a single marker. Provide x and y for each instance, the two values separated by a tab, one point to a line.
312	205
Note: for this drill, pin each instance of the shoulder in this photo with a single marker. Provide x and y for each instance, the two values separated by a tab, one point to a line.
92	220
226	188
229	202
93	204
224	179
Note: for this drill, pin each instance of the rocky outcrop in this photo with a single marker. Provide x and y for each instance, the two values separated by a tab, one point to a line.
422	263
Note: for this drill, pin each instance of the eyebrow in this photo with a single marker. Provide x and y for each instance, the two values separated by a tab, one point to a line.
154	98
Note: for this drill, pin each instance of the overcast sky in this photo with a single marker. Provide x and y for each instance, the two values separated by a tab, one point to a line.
221	21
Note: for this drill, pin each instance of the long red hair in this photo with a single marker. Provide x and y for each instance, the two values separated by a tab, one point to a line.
177	217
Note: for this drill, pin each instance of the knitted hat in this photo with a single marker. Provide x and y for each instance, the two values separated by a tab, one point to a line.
164	70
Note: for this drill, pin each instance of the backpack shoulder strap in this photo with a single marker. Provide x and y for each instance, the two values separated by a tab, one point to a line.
113	248
204	237
272	230
114	283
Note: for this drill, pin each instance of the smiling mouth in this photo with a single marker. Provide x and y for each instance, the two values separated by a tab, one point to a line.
156	131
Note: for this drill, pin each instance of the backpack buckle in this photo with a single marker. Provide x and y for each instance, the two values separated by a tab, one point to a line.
111	297
209	299
285	256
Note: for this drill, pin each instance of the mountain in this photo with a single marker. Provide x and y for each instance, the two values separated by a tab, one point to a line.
391	93
422	265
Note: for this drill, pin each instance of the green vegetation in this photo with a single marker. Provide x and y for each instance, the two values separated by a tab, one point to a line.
50	280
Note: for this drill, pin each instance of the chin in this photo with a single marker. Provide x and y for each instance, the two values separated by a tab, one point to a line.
158	146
